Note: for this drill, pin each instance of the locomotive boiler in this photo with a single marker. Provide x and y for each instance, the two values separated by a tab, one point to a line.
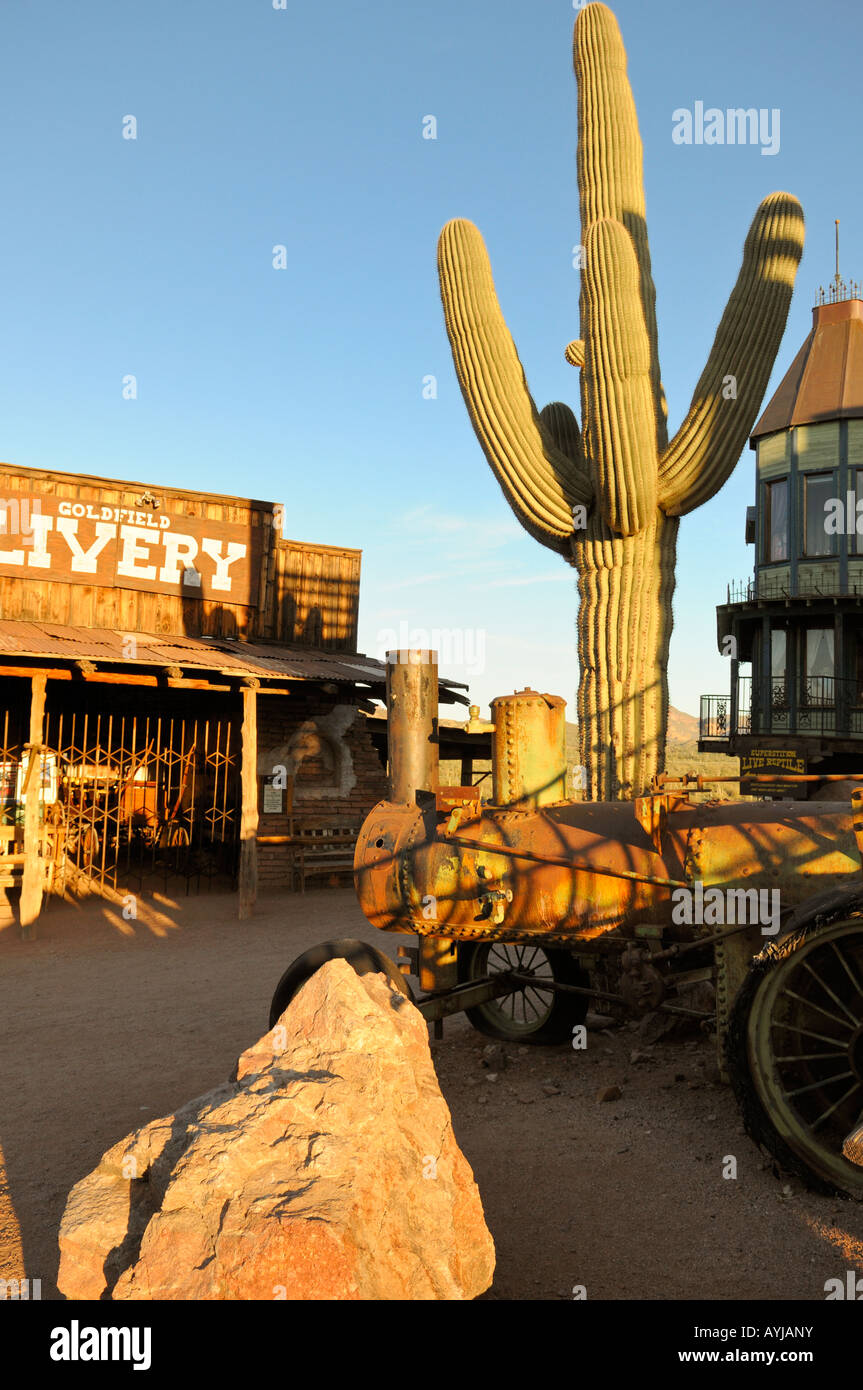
528	906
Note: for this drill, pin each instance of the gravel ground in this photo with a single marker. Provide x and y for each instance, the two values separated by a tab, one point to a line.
106	1024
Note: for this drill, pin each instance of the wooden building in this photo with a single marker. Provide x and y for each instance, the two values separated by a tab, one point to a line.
181	690
794	632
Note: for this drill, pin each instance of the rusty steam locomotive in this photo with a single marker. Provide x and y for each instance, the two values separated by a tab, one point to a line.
528	906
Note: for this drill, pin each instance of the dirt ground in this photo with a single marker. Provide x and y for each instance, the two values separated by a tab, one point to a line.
106	1024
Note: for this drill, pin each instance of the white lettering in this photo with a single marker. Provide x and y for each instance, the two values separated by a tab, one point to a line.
84	561
11	557
221	579
180	553
135	548
40	526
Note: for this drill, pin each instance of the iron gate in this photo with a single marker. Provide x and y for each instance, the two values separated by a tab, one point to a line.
135	797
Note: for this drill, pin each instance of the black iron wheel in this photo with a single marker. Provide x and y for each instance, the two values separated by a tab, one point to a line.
529	1014
359	954
795	1052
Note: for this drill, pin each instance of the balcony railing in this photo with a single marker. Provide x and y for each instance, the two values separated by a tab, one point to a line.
820	706
809	582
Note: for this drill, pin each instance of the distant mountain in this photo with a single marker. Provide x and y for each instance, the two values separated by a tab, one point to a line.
682	728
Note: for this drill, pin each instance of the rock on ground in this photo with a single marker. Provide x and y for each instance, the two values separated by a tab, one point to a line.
327	1169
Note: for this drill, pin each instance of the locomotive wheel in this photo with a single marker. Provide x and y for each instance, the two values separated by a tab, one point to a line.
527	1015
177	844
364	958
86	847
795	1052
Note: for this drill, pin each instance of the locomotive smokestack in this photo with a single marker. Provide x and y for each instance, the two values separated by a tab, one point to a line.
412	693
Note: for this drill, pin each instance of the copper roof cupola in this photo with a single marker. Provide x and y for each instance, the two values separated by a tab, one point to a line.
825	380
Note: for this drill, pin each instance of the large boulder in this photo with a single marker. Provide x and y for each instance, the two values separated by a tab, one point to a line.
327	1169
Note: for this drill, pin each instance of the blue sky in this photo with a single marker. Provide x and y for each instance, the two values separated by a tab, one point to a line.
302	127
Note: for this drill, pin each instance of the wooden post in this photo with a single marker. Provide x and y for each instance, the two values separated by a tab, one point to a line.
249	807
31	884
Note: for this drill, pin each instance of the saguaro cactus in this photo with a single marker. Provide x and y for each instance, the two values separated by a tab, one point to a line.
608	497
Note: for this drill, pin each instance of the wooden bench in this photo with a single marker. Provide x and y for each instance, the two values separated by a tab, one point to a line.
319	848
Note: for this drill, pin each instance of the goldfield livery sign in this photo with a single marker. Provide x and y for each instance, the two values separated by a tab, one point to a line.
143	547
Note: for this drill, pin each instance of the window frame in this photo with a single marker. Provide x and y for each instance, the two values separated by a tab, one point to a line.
829	540
767	548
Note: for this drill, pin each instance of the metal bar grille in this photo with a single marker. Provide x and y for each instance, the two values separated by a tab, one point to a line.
144	799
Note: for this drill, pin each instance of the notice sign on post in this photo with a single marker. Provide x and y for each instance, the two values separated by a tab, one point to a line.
130	548
273	797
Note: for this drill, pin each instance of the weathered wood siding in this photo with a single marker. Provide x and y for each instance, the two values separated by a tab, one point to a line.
317	595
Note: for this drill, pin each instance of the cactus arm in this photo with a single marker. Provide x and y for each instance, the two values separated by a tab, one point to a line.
610	161
703	453
540	483
574	353
619	398
560	424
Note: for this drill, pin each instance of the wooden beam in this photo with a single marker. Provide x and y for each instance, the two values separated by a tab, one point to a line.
116	678
188	684
31	885
60	673
249	805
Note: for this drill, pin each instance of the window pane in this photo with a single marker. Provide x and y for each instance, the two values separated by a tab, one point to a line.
777	520
819	665
818	489
777	653
855	542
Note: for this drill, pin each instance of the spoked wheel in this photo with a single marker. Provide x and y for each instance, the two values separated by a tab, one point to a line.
176	841
85	847
359	954
529	1015
795	1052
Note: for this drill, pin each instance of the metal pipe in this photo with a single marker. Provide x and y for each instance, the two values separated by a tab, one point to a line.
412	737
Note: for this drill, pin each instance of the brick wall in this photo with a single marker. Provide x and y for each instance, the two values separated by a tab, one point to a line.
347	778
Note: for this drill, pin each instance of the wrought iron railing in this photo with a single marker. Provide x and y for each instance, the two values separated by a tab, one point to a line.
816	705
838	290
806	584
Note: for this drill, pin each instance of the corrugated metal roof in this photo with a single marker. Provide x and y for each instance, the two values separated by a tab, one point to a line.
235	658
825	380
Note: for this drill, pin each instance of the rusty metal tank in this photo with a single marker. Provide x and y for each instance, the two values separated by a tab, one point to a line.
528	750
438	861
